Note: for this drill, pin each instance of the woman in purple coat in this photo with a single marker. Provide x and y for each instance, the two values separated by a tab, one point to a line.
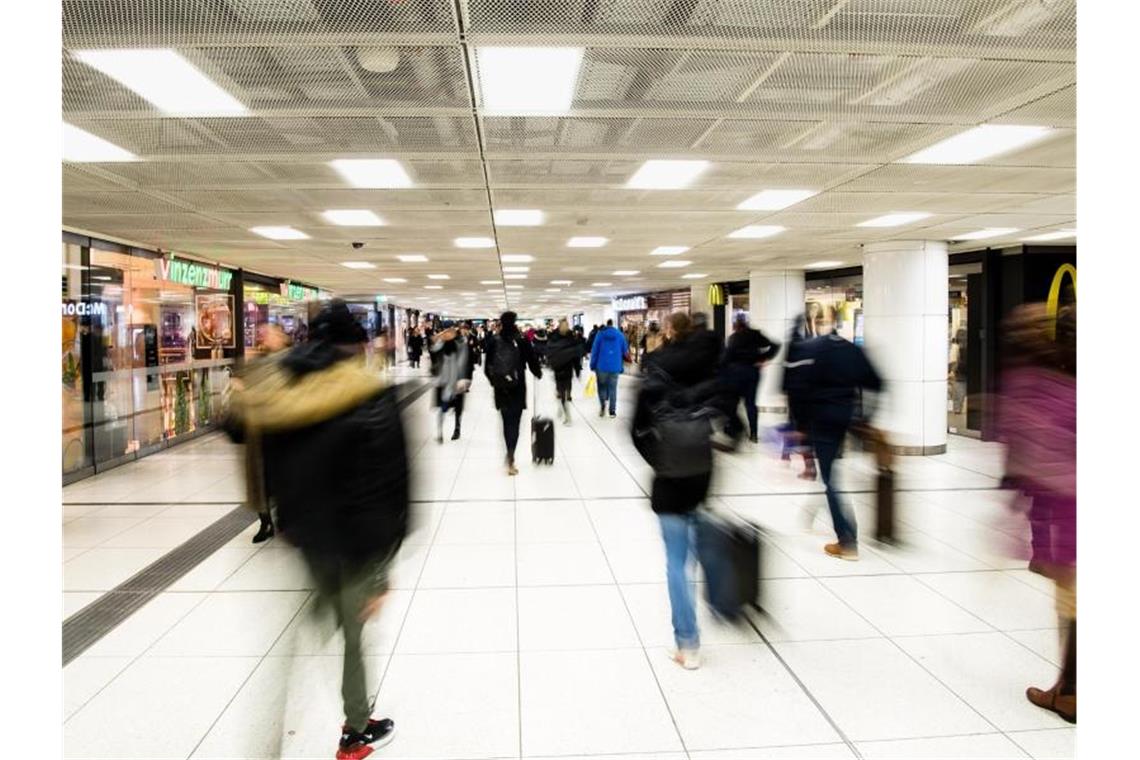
1038	422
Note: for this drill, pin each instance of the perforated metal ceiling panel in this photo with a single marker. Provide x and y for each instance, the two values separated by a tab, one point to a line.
823	95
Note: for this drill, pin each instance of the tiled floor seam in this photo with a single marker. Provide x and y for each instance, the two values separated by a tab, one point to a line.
628	612
261	661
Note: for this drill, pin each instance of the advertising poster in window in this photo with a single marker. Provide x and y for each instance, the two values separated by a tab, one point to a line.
215	322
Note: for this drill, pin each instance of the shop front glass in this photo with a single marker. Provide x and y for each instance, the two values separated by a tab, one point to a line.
146	357
78	447
265	305
842	300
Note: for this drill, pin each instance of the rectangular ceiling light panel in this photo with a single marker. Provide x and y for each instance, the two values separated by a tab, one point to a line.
668	250
519	217
586	242
528	80
352	217
165	79
757	231
80	145
372	173
978	144
358	264
657	174
774	200
989	232
516	258
474	242
673	264
1057	235
439	277
412	258
279	233
894	219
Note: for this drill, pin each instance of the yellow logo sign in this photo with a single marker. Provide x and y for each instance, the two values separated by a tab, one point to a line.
1053	302
716	295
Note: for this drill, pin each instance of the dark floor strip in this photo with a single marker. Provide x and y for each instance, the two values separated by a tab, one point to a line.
96	620
86	627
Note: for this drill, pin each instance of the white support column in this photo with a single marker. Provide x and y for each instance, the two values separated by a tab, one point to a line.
905	303
699	302
775	297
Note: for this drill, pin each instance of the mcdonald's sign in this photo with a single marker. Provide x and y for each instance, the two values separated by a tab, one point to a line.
716	294
1053	302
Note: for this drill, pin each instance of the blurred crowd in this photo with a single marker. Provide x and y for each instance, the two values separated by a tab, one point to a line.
327	465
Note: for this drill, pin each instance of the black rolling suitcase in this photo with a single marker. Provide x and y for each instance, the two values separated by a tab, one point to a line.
730	554
885	506
541	435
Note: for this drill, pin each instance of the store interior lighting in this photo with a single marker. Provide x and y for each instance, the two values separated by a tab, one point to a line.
528	80
372	173
165	79
666	174
978	144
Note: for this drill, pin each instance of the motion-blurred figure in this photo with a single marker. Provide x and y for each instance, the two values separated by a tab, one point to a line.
1037	416
509	355
671	430
607	360
332	431
797	388
747	351
564	356
454	367
273	339
415	347
835	371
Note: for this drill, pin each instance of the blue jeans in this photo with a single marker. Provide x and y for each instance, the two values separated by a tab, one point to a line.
828	441
607	389
680	541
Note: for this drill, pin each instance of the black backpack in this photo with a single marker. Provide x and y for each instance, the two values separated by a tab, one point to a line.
504	370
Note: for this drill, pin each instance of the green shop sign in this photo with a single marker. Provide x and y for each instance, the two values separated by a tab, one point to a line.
295	292
193	274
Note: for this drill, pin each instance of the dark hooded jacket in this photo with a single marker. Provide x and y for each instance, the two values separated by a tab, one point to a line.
331	433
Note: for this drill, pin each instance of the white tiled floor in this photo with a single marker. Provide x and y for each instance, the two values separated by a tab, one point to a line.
530	616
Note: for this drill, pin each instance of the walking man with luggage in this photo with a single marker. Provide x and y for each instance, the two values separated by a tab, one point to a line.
508	357
607	360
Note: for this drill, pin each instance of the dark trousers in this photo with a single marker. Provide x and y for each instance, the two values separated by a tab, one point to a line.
744	380
828	441
562	380
512	415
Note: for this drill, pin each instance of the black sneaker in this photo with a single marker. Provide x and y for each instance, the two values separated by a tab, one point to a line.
455	435
355	745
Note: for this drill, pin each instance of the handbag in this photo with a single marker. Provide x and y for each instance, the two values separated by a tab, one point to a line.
591	387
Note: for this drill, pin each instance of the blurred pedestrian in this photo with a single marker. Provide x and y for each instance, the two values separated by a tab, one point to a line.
1037	418
835	372
607	361
797	389
415	347
747	351
565	359
509	355
454	368
670	431
273	340
339	471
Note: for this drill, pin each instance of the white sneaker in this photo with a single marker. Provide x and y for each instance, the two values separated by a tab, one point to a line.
689	659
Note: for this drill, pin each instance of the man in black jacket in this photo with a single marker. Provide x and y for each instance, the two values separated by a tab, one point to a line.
509	355
332	431
747	351
832	371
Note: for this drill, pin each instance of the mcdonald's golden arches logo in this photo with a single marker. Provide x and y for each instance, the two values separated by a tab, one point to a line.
1053	302
716	295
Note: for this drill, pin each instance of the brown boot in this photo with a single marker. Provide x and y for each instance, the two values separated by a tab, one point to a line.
1064	705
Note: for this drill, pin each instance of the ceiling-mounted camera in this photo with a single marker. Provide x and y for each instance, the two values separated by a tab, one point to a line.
357	245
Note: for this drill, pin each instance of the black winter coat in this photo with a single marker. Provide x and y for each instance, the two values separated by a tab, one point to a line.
564	353
527	359
336	455
691	364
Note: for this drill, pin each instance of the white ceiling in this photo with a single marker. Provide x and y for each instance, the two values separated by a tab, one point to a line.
824	95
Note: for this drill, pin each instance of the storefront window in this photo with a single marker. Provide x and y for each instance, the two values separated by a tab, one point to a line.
77	441
841	300
264	305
